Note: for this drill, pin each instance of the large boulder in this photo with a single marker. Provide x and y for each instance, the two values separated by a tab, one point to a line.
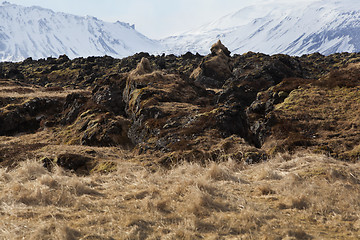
174	117
218	49
75	103
74	162
153	97
215	68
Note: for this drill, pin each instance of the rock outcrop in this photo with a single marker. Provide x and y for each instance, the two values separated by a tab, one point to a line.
166	109
214	69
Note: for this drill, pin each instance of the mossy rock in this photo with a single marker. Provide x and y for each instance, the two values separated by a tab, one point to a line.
104	167
75	162
254	157
274	150
47	162
282	94
323	150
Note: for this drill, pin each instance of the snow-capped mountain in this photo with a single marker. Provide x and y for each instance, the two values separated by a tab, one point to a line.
325	26
37	32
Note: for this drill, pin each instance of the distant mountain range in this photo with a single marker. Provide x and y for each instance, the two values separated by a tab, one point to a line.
321	26
37	32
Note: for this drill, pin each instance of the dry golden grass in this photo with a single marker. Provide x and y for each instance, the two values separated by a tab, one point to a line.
32	92
290	197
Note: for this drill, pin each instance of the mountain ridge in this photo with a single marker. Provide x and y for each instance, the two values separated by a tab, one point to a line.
39	32
313	27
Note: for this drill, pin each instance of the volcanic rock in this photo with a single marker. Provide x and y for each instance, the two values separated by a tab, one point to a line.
27	115
73	162
214	69
243	107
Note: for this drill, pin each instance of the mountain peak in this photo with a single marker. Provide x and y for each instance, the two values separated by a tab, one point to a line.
127	25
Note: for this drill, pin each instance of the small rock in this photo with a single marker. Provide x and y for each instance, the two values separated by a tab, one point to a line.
73	162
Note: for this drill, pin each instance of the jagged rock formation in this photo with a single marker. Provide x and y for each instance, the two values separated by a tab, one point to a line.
166	109
215	68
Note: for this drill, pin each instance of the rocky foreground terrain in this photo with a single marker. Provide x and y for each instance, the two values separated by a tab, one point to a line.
247	146
168	109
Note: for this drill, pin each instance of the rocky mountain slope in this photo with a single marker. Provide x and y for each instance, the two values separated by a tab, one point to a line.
289	28
39	33
218	146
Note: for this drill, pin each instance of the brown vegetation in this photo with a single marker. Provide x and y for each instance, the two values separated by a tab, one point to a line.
294	197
